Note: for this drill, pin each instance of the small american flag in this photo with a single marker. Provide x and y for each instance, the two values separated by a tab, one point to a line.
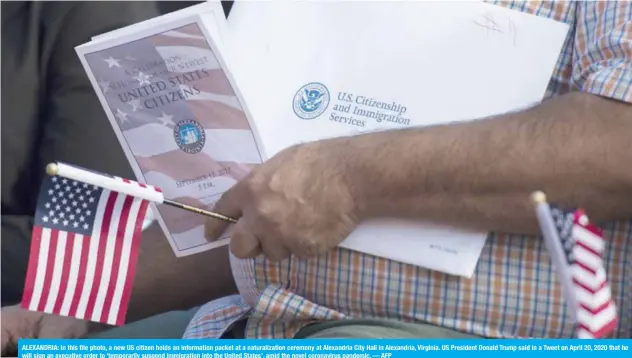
84	248
583	246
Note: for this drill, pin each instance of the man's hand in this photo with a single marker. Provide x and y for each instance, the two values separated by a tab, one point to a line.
475	175
20	323
299	202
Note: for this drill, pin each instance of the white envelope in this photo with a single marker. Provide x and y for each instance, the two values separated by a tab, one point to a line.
442	61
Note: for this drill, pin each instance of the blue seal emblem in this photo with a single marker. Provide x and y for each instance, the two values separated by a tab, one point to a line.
189	136
311	100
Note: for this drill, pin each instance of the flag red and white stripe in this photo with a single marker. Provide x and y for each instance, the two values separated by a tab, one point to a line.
596	311
576	248
84	248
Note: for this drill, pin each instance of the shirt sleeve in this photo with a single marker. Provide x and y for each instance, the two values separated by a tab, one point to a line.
602	54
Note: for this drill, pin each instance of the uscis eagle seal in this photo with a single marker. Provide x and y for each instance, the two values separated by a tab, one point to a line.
189	136
311	100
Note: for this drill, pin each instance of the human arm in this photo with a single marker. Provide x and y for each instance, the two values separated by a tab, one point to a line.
480	173
474	175
477	174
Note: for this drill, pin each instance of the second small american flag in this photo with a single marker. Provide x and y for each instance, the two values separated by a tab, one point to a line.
84	248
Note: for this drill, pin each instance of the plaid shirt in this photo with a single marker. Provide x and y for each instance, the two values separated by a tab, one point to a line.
514	291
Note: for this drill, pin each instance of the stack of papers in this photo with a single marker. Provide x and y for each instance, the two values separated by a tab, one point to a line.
197	101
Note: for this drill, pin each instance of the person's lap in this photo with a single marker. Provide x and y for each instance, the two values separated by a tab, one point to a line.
173	324
377	328
163	326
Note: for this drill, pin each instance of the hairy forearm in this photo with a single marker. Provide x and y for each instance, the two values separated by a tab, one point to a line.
577	148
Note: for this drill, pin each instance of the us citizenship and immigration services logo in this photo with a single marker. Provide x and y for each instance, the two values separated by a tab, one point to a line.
311	100
189	136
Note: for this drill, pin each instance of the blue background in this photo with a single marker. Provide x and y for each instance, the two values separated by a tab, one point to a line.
376	348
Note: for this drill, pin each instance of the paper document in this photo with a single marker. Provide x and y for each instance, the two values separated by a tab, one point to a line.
335	69
178	115
197	102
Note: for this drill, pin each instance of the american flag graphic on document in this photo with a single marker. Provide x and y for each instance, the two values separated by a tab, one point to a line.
181	120
583	246
84	247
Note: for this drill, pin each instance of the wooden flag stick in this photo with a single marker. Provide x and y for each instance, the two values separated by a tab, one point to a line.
554	246
218	216
54	169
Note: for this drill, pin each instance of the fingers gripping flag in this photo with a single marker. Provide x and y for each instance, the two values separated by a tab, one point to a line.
577	248
84	247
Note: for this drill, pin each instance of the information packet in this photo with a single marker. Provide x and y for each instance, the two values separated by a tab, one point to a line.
197	101
177	113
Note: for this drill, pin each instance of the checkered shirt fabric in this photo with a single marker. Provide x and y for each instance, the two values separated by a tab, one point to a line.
514	291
